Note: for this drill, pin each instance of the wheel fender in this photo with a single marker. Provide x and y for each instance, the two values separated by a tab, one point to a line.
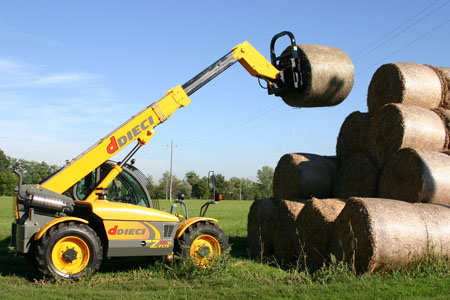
53	222
186	223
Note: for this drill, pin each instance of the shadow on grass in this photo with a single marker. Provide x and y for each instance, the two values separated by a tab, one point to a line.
238	246
12	265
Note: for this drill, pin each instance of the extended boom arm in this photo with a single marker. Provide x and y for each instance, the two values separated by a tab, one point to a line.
140	127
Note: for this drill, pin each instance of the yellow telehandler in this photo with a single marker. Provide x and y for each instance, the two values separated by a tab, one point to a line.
94	208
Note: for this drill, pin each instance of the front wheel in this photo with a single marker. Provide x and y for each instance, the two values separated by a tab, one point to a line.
203	243
68	251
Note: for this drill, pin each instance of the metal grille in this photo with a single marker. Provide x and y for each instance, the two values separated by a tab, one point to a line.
168	229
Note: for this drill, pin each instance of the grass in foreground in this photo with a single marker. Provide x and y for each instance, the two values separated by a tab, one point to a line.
234	276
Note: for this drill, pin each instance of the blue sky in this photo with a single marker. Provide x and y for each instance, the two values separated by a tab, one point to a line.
70	72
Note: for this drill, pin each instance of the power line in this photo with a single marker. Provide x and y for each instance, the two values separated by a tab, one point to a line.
427	33
399	29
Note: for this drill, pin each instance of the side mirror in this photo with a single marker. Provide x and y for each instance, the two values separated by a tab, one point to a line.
211	180
211	183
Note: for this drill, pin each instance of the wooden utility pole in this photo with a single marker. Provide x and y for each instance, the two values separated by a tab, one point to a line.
170	176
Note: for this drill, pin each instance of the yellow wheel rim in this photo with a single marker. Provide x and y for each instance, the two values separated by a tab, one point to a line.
204	249
70	255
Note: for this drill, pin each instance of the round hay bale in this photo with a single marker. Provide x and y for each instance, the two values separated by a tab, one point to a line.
316	221
354	135
286	234
438	227
327	75
379	234
357	176
398	126
261	218
406	83
302	176
417	176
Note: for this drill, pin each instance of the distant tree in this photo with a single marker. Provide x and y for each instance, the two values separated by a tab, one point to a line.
199	187
4	161
178	186
201	190
8	182
265	179
234	187
192	178
220	183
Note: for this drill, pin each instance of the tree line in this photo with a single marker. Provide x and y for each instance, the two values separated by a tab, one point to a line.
33	172
192	185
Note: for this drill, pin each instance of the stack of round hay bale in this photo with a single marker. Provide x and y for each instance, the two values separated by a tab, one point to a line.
395	149
298	230
398	150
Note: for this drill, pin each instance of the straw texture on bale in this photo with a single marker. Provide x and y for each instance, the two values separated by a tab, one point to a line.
353	135
286	234
302	176
444	75
379	234
327	75
398	126
357	176
406	83
261	219
316	224
417	176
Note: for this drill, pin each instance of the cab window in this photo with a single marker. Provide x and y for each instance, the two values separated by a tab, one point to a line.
126	189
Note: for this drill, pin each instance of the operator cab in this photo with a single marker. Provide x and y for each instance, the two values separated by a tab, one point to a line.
129	187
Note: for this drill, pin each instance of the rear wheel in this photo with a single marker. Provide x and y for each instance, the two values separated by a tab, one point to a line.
203	243
68	251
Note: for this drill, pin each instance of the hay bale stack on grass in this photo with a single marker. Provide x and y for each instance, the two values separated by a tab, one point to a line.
316	224
379	234
260	222
327	75
398	126
286	234
406	83
417	176
353	135
302	176
357	176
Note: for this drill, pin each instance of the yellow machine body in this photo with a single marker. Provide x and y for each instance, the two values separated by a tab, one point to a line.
186	223
56	221
132	230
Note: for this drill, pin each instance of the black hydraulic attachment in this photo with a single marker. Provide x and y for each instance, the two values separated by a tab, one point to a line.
290	78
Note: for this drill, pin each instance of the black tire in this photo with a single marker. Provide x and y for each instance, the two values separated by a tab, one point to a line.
184	245
80	233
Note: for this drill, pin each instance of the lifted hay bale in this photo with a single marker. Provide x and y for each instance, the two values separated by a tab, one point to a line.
302	176
417	176
398	126
357	176
379	234
406	83
261	219
316	221
327	75
353	135
286	234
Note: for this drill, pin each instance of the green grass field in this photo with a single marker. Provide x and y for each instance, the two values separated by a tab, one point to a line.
236	277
